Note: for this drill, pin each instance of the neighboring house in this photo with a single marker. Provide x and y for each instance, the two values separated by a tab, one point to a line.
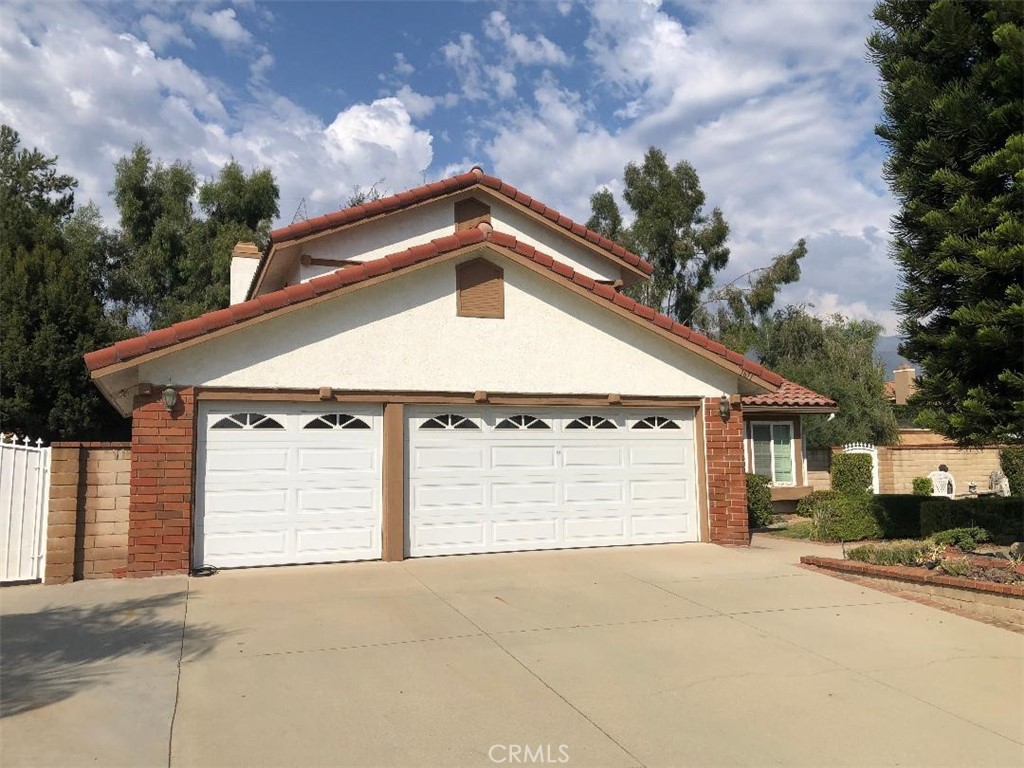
449	370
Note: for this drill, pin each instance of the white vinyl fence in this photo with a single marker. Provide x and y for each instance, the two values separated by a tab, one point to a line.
24	501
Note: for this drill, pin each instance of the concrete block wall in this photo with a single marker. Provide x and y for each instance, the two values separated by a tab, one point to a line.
87	529
898	465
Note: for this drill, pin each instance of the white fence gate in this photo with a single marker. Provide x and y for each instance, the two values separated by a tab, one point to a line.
872	451
24	501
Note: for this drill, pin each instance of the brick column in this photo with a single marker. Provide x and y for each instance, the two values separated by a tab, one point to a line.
65	465
727	484
163	460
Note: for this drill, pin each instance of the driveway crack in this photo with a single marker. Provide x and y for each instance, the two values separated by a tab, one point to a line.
177	682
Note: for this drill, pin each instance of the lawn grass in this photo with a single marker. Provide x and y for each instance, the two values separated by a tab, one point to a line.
798	529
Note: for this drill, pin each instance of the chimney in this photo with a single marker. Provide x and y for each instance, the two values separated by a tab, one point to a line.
903	383
245	259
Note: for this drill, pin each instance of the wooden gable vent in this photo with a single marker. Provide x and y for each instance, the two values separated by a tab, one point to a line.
480	287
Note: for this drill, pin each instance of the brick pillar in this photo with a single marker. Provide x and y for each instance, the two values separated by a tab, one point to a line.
160	510
727	484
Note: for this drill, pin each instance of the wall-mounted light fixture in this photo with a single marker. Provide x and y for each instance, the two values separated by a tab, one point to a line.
723	407
170	398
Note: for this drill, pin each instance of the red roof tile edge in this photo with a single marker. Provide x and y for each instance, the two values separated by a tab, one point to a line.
447	186
790	395
123	351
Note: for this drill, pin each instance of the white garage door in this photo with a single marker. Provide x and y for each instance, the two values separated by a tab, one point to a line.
288	483
500	480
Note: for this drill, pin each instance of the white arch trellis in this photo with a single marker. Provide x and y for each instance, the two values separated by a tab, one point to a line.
872	451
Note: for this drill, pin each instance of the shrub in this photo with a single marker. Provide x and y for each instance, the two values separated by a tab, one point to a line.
922	486
966	538
955	566
806	506
1011	461
1002	517
902	553
759	501
900	515
847	518
851	472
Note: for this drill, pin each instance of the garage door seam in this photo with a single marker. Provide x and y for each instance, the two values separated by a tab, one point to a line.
529	671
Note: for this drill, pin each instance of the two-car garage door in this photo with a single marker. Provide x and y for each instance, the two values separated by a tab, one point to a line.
302	483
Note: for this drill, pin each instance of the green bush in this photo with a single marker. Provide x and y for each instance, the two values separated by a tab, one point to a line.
955	566
806	506
1002	517
966	538
851	472
900	515
847	518
1011	461
759	501
901	553
922	486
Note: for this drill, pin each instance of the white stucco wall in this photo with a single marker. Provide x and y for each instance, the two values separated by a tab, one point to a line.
242	270
505	218
404	335
422	224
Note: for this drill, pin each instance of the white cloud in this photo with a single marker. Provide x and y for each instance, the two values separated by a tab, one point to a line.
523	50
77	86
222	25
416	104
402	67
160	33
824	304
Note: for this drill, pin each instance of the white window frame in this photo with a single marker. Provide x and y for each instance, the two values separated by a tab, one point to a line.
771	445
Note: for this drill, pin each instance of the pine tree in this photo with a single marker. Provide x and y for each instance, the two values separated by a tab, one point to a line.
953	92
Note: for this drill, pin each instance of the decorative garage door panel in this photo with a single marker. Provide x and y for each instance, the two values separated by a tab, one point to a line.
288	483
501	480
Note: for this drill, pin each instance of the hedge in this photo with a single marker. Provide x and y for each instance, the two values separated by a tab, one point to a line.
847	517
922	486
899	514
1011	461
851	472
759	501
1003	517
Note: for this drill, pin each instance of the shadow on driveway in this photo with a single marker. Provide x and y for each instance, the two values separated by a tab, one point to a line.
50	654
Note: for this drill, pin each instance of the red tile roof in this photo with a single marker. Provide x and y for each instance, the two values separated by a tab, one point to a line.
444	187
296	294
790	395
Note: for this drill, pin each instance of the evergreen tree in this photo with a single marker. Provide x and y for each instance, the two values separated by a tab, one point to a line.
176	263
953	92
835	357
51	312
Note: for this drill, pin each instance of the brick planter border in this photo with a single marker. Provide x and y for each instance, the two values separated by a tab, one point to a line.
912	575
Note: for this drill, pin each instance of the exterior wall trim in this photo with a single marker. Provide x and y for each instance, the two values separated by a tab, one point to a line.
393	495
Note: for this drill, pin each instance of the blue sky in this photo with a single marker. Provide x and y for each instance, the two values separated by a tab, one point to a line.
773	102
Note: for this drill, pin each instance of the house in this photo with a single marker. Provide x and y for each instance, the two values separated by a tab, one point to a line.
450	370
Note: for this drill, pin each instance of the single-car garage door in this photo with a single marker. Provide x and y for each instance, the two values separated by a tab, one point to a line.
499	480
288	483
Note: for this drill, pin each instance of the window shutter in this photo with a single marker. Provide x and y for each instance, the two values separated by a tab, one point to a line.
480	287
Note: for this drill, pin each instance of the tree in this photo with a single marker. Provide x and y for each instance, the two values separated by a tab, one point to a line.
50	307
671	229
835	357
175	263
953	95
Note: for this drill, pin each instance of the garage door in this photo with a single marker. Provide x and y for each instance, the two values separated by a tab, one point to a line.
498	480
280	484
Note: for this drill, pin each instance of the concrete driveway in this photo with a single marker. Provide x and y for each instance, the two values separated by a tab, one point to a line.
658	656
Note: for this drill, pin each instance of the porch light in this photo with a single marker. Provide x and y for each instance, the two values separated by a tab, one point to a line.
170	398
723	407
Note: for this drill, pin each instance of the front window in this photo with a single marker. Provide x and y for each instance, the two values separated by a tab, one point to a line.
772	454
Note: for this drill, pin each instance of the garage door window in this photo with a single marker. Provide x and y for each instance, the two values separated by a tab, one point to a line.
522	421
248	421
449	421
657	422
336	421
591	422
